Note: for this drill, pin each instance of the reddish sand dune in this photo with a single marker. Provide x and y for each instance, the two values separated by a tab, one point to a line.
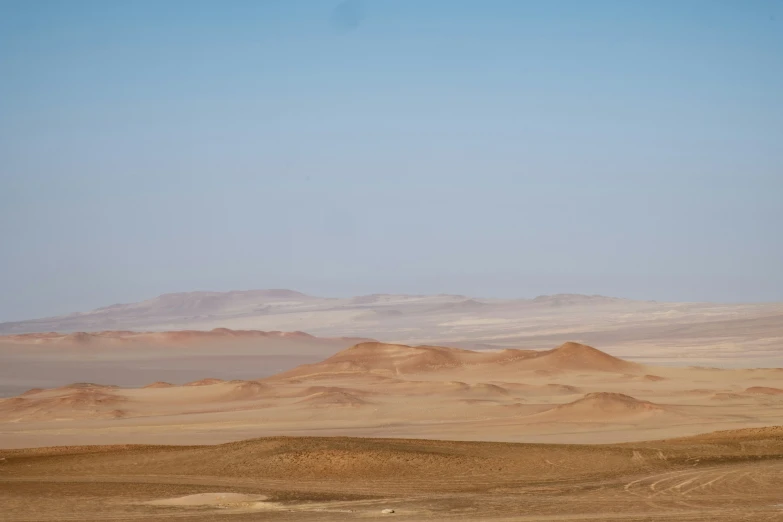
575	356
398	359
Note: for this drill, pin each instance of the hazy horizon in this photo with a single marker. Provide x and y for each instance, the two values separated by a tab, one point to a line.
490	149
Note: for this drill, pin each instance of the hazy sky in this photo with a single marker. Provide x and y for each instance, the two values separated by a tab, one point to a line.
491	148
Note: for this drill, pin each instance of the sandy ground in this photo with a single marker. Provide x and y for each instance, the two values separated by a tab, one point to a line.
135	359
604	438
570	394
728	476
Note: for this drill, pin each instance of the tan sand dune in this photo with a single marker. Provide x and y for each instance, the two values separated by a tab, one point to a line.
403	391
604	407
397	359
64	403
576	356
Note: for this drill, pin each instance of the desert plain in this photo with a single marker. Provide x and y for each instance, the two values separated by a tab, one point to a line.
244	424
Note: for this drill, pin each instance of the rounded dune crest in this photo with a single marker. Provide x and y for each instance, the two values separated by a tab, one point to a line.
398	359
577	356
603	407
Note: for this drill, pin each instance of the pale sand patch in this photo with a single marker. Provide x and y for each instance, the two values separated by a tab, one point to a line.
209	499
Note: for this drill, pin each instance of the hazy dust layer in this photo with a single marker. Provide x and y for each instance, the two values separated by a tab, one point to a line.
652	332
126	358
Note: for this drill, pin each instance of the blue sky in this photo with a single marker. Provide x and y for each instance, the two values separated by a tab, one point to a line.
491	148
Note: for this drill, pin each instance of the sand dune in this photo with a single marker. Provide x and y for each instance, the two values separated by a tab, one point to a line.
397	359
420	391
604	407
63	403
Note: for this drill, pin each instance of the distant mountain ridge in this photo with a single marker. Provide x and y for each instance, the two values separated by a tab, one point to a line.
195	309
625	326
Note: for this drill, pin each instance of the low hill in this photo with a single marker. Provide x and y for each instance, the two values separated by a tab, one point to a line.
398	359
603	407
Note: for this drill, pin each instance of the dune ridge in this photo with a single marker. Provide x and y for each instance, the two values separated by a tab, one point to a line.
399	359
572	392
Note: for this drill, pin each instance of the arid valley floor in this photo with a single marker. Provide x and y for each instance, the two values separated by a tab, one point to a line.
249	425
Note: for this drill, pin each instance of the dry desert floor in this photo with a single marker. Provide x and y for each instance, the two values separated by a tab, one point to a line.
723	476
430	432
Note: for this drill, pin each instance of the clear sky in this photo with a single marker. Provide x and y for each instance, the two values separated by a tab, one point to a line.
490	148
